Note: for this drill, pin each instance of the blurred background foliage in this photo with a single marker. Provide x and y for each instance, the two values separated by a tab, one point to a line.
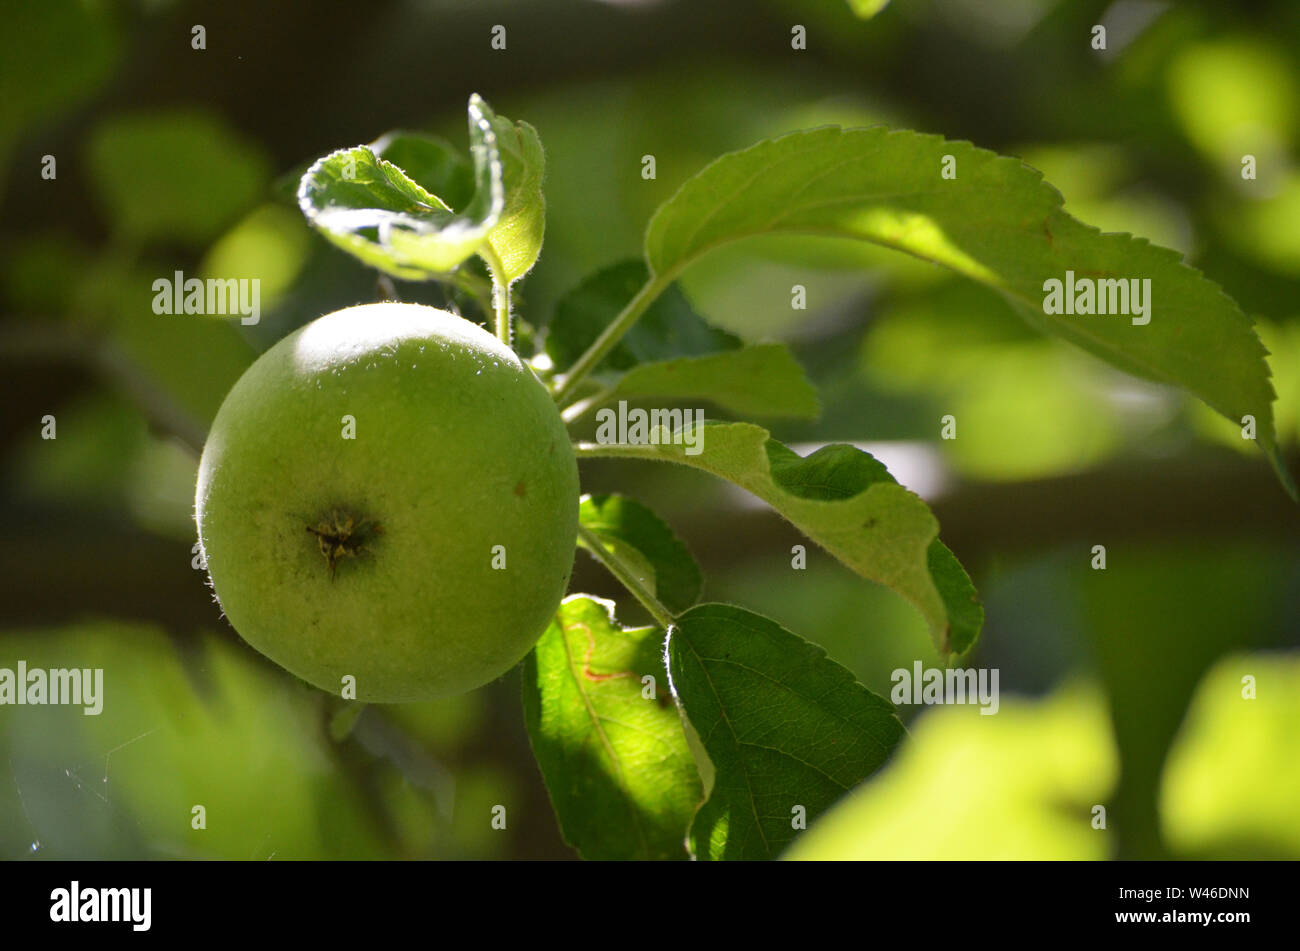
1121	687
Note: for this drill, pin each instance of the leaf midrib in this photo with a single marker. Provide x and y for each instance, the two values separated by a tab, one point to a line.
749	786
600	730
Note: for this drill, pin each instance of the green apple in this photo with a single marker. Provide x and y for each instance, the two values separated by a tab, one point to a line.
389	494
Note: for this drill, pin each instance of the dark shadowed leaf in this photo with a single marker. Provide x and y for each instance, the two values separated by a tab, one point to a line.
788	730
669	328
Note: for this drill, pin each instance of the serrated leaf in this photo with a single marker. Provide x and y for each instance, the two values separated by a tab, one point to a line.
669	328
960	600
616	764
663	563
371	208
431	162
784	727
840	472
843	499
517	236
762	380
997	222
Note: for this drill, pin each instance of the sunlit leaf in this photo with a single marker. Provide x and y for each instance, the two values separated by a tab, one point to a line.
516	238
866	9
666	567
1229	789
373	209
843	499
608	740
1228	91
431	162
270	245
996	222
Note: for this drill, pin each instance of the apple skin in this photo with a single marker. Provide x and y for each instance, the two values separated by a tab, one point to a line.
458	448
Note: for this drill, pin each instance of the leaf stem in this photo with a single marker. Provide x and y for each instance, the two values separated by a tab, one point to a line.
626	576
592	450
611	335
500	292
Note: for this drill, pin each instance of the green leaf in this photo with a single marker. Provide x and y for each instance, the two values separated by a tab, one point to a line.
784	727
669	328
431	162
517	237
866	9
960	600
843	499
997	222
762	380
616	764
178	176
663	563
371	208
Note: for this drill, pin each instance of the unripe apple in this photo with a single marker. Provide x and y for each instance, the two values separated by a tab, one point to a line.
390	494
